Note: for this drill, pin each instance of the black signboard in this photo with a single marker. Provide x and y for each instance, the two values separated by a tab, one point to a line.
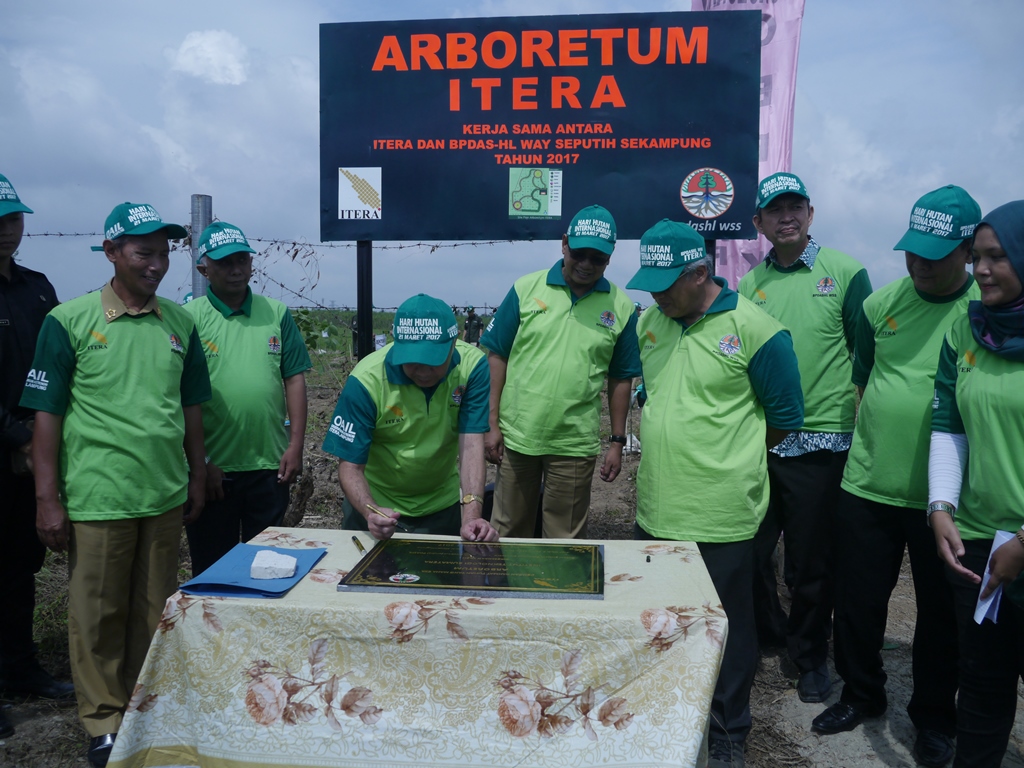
503	128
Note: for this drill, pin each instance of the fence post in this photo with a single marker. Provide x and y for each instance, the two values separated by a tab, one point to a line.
202	215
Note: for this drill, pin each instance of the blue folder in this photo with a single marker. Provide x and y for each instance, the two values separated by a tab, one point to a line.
229	576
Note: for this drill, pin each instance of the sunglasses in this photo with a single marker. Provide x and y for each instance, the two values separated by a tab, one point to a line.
596	258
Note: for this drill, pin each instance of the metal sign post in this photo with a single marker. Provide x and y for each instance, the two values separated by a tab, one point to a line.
202	215
364	298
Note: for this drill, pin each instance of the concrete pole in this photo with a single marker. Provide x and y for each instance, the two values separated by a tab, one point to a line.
202	215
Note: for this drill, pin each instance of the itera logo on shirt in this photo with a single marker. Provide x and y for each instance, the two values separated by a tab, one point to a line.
37	380
344	429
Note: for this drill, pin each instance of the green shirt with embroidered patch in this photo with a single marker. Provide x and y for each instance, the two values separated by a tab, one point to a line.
119	380
980	394
406	436
820	307
249	352
559	350
898	341
713	388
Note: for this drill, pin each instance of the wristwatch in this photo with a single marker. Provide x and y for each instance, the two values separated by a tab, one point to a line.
469	498
617	439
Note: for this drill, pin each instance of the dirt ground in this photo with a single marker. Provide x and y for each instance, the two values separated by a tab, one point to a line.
49	736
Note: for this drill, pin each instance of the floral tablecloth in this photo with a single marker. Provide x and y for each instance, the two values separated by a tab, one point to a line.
322	678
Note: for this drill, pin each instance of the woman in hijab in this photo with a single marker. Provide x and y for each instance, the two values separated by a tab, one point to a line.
976	483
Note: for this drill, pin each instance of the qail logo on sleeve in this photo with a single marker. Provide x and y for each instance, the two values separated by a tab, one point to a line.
730	344
274	345
176	344
345	430
37	380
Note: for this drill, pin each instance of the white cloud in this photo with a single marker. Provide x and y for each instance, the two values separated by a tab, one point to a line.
212	55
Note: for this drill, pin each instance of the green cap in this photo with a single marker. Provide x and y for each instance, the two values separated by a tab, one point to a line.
221	239
138	219
940	221
665	250
424	330
593	227
779	184
9	200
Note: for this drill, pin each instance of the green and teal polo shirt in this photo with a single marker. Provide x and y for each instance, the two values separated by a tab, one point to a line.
119	380
713	388
249	351
980	394
818	298
406	436
559	349
898	342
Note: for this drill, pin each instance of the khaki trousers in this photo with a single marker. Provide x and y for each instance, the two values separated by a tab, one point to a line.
566	481
121	574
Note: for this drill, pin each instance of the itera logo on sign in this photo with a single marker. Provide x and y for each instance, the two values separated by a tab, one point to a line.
359	193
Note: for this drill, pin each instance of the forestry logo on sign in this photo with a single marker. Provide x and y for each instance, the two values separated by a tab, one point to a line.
707	193
359	193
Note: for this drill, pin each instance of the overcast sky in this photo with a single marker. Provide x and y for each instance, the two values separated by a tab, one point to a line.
154	101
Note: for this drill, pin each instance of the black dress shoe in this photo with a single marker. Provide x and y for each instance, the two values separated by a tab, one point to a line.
842	716
36	681
99	749
814	686
6	728
933	749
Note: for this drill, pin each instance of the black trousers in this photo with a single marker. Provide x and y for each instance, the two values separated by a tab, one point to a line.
870	540
731	567
252	501
804	498
991	662
23	556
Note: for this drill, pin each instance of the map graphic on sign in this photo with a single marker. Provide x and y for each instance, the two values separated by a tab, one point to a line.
359	193
534	193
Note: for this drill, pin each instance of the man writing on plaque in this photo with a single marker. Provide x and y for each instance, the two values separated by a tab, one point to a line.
407	413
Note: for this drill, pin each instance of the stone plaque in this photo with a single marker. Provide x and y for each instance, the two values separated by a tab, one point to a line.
503	569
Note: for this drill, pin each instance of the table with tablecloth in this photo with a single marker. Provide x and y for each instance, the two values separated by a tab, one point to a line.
327	678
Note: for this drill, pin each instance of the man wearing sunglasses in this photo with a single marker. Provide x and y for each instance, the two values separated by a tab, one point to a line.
558	334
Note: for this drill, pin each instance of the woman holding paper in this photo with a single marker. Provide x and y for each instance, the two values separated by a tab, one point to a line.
978	443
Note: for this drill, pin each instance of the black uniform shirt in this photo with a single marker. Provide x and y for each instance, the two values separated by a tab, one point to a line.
25	300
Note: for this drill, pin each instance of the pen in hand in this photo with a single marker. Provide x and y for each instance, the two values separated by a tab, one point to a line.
398	525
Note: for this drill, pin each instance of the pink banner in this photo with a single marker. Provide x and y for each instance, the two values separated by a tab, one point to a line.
780	48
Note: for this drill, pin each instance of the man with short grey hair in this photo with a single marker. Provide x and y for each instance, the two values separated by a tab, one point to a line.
722	383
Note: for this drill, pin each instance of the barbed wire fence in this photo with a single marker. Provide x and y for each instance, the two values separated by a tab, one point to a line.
326	329
306	255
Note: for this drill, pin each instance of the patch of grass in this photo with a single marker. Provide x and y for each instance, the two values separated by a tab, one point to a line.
51	614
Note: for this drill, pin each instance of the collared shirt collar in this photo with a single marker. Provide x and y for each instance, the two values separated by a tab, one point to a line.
17	274
396	375
224	309
113	307
725	301
555	277
807	257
